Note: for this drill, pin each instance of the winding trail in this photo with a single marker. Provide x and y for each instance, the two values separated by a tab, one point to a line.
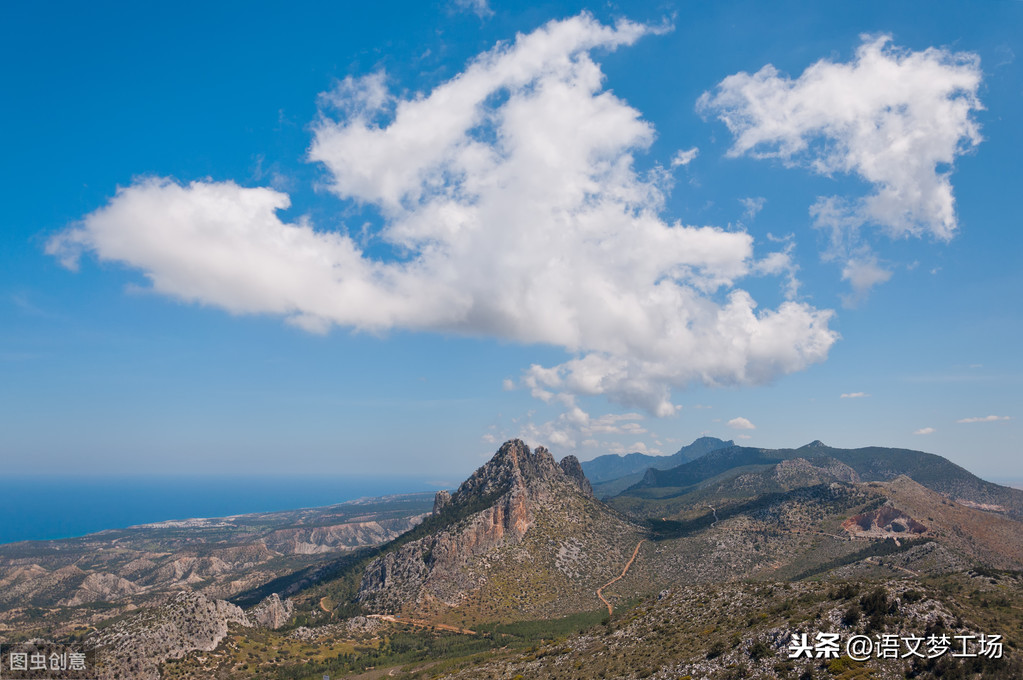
620	576
714	510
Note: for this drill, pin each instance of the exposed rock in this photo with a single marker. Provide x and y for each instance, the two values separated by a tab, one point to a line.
441	501
885	521
573	469
990	507
101	587
328	539
272	612
185	622
362	624
512	465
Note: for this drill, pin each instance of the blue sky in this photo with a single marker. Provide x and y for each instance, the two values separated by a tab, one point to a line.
335	238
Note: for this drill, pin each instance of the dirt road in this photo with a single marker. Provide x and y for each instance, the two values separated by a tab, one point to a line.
600	590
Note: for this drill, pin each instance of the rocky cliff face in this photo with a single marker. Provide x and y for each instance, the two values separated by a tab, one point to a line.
489	515
272	612
441	501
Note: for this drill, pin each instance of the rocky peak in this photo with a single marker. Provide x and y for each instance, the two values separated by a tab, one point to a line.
573	469
514	465
492	509
816	444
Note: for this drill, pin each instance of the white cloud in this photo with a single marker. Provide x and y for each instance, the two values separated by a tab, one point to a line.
575	424
511	195
683	158
925	430
984	419
894	118
780	263
753	205
854	395
863	274
480	8
743	436
636	447
741	423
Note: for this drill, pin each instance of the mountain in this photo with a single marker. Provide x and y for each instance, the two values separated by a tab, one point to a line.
613	466
522	537
872	463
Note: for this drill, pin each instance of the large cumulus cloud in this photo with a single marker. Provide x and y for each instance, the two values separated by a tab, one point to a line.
894	118
512	195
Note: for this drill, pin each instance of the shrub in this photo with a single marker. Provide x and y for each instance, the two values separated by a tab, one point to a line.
716	650
759	650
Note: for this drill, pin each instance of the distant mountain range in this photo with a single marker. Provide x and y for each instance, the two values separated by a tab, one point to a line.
872	463
613	466
611	474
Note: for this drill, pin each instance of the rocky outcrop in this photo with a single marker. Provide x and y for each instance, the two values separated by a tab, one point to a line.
573	469
441	501
513	465
272	612
185	622
883	522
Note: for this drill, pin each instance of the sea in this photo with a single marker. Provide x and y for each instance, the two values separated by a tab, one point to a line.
36	508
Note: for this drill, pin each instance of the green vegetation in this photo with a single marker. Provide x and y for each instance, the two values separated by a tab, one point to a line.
876	549
267	655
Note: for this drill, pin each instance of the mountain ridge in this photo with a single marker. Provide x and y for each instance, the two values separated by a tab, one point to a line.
612	466
871	463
